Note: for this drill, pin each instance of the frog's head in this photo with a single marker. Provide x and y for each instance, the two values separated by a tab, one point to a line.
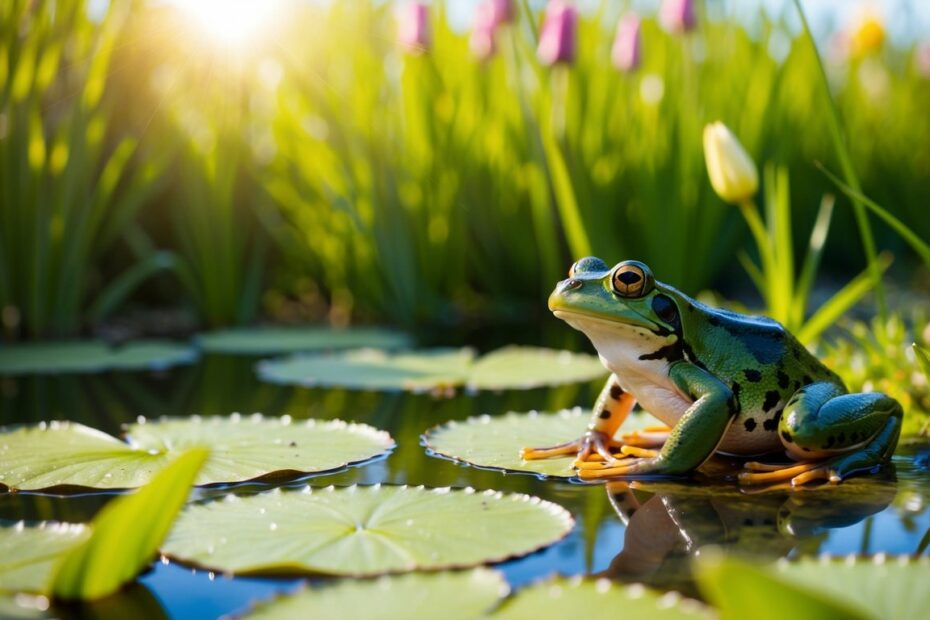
622	303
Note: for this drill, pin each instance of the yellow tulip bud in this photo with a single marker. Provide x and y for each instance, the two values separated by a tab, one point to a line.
730	168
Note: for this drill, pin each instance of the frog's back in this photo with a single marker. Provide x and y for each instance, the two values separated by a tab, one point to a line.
762	363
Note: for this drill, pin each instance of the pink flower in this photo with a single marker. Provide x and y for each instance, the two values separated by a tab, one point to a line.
922	60
413	27
482	42
678	15
557	41
501	11
626	49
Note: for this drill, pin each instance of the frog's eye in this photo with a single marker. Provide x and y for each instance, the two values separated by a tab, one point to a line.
631	279
588	264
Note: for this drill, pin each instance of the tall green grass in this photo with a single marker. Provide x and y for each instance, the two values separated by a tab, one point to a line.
70	182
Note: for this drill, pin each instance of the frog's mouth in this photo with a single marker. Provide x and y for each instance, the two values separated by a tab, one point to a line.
578	319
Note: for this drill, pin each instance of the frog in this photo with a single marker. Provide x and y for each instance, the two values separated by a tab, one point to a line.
720	382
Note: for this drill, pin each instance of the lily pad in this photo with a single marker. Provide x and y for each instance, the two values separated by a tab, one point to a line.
364	530
29	553
596	599
459	595
876	587
476	594
67	454
495	442
277	340
879	586
435	369
86	356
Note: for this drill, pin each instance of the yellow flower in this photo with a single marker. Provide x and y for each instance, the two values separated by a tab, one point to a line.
730	168
868	36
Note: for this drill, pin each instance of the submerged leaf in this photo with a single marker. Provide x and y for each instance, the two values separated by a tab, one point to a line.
126	534
459	595
63	454
85	356
436	369
593	600
495	442
29	553
276	340
366	530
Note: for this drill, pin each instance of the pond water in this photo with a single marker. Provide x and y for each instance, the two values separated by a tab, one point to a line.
646	534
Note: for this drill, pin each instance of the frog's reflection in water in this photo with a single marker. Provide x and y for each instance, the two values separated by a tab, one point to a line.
668	523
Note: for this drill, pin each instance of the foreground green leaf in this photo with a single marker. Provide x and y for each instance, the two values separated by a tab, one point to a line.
495	442
459	595
276	340
437	369
67	454
817	589
84	356
126	534
366	530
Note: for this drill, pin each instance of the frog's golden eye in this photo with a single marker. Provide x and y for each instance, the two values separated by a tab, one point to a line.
631	279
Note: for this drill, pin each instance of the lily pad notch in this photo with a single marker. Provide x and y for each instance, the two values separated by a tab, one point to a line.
242	448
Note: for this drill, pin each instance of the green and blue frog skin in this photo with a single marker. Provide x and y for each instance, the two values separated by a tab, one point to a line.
721	382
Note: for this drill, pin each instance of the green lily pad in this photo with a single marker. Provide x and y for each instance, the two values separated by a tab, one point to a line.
475	594
435	369
459	595
277	340
83	356
595	599
495	442
880	587
364	530
29	553
825	588
67	454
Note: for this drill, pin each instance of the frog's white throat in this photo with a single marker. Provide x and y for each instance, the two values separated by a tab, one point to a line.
629	351
621	346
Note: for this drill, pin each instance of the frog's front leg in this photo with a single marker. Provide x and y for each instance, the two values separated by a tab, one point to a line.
831	434
694	438
610	410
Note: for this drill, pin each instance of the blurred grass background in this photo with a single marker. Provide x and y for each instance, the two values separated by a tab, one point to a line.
319	171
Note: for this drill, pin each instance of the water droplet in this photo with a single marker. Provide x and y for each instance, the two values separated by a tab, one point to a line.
272	526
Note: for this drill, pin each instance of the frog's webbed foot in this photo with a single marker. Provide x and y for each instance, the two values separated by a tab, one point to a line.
649	437
649	463
798	474
593	444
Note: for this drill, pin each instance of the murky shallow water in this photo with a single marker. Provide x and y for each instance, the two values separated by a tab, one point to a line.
644	535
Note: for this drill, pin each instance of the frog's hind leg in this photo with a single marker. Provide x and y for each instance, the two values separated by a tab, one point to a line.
832	435
650	437
611	409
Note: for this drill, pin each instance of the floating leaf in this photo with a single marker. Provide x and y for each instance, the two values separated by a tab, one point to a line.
459	595
277	340
241	448
364	530
84	356
531	367
126	534
817	589
495	442
372	369
436	369
29	553
595	599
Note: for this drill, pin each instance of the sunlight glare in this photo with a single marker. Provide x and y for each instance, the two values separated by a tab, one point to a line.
230	21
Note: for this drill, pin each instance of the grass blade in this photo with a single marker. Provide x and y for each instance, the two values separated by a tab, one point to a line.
126	534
